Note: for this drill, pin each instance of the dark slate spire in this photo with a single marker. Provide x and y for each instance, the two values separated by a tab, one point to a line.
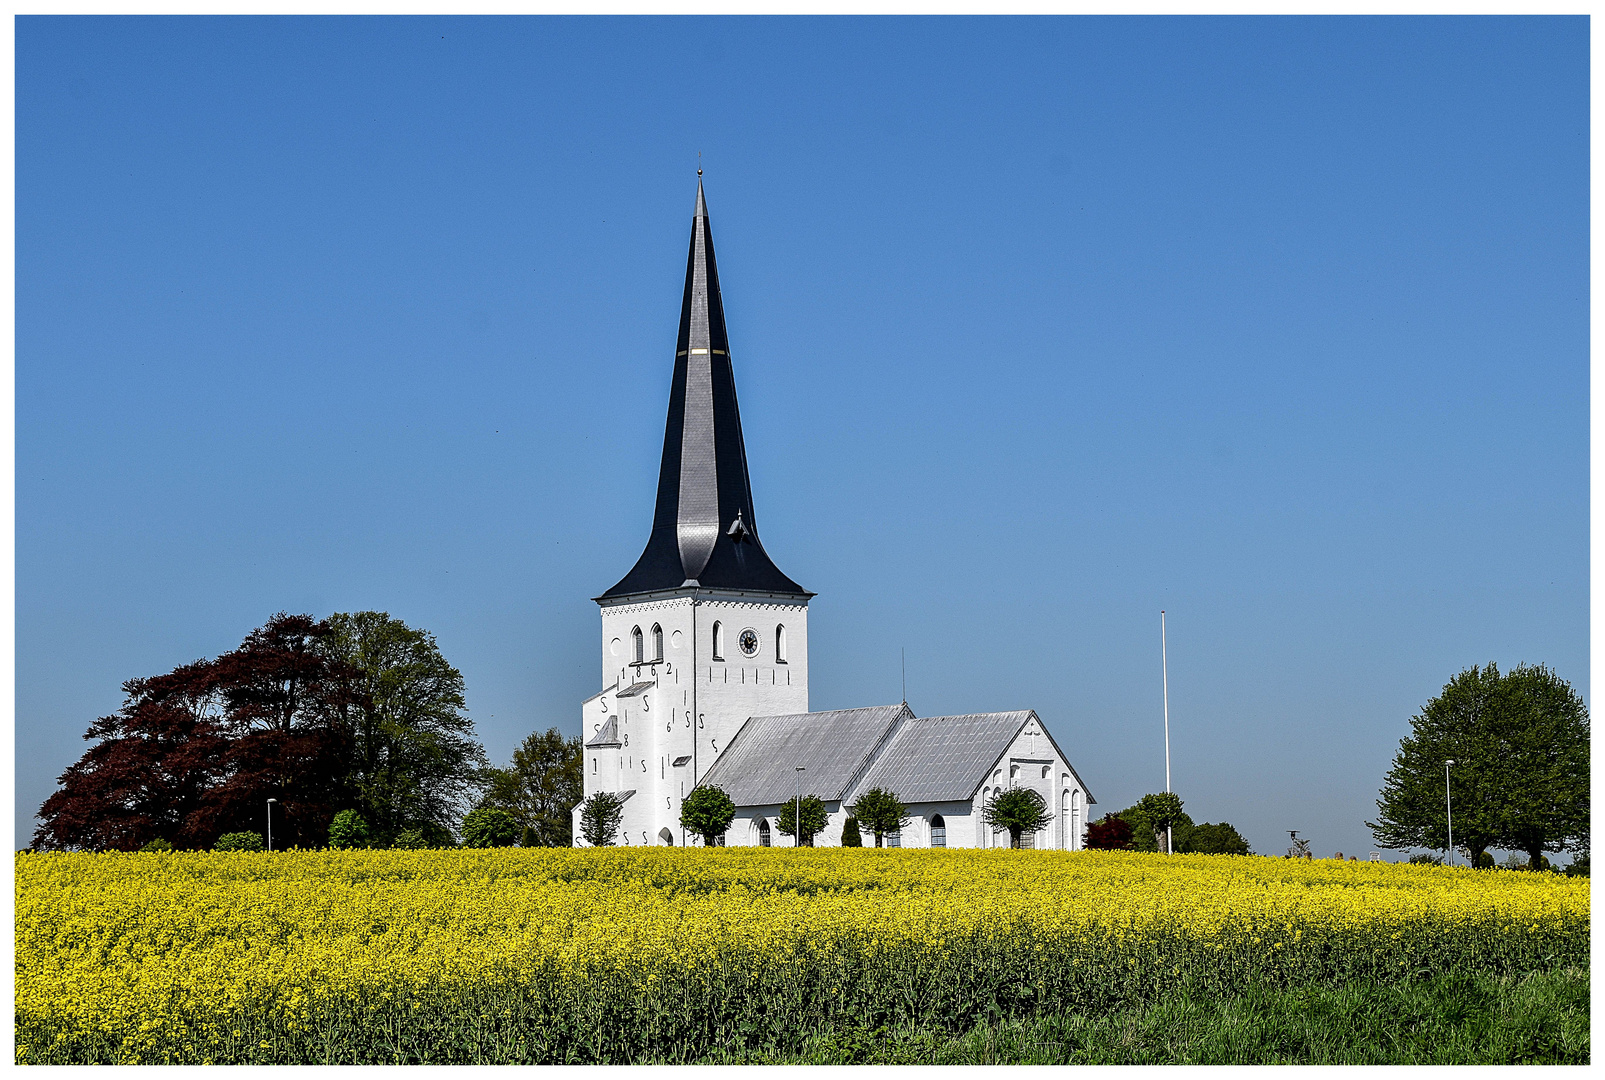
704	532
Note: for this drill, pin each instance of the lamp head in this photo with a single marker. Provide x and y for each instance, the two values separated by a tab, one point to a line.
1451	761
273	800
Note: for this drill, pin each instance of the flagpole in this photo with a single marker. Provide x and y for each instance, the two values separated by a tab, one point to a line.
1164	669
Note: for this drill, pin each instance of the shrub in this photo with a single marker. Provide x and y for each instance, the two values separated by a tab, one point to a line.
1222	839
347	831
1518	861
1113	833
157	845
238	841
411	840
851	837
487	828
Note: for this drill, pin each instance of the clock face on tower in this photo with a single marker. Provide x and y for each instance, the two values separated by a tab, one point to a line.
748	642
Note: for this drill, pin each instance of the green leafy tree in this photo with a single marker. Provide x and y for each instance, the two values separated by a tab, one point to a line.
708	812
1222	839
1170	823
414	761
238	841
412	840
541	787
1519	743
1018	810
600	816
1148	819
348	830
1542	726
851	837
814	819
881	812
158	845
489	827
1111	833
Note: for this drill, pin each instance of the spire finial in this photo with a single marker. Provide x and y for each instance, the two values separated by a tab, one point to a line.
699	163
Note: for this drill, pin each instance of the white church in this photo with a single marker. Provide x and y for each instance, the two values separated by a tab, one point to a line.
705	661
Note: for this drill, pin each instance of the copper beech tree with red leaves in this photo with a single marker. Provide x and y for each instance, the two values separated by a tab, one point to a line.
1111	834
197	752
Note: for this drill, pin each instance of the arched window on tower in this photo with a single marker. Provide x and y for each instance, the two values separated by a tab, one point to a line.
780	644
637	644
657	642
938	831
718	641
763	832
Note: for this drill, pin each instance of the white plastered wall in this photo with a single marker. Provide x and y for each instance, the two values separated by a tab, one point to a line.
1032	761
697	701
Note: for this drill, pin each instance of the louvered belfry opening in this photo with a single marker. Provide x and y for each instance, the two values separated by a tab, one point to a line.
704	530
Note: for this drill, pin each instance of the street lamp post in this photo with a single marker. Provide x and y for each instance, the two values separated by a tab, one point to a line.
796	824
270	823
1449	809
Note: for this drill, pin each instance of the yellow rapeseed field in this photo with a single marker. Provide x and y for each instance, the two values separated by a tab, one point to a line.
608	954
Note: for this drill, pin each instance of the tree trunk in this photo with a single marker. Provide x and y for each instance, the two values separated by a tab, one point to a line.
1014	841
877	839
1535	856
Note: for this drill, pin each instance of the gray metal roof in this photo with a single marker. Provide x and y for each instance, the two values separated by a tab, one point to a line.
942	758
607	734
635	688
758	767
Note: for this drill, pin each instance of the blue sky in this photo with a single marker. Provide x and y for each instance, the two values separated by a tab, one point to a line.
1039	325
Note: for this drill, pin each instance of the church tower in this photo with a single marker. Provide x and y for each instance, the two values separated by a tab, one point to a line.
704	631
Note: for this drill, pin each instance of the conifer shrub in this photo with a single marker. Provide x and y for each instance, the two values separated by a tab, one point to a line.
851	837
